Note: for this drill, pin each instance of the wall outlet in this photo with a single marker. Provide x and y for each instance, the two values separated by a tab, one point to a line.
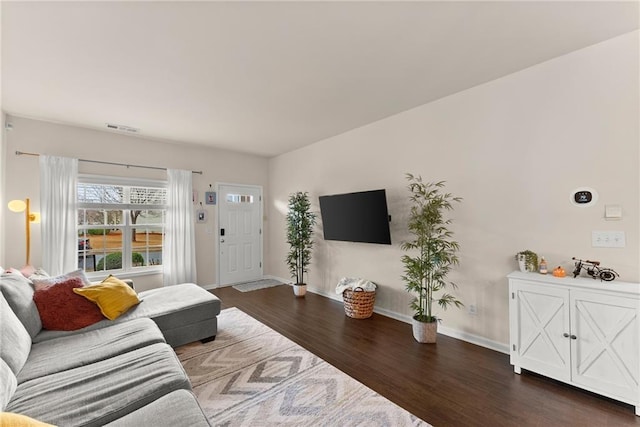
473	309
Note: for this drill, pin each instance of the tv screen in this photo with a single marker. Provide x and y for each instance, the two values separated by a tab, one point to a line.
356	217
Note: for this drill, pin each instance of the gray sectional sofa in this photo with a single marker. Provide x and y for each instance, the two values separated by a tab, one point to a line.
116	373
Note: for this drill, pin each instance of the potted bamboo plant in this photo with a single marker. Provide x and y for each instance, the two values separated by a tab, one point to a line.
300	222
433	255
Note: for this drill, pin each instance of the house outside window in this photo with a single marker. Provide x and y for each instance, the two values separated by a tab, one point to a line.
120	225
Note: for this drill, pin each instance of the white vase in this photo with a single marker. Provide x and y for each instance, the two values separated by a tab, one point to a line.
299	290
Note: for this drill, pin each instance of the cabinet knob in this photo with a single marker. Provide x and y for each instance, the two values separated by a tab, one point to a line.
566	335
573	337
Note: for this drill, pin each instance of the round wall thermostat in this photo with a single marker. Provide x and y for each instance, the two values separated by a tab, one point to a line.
584	196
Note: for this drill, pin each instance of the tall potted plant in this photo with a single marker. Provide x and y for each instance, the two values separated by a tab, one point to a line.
435	253
300	222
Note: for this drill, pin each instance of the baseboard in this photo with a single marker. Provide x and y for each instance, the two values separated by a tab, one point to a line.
450	332
474	339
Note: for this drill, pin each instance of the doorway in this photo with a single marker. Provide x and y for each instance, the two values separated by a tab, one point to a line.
239	233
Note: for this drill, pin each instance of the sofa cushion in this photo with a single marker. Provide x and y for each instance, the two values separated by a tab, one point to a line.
7	385
38	274
15	342
113	296
10	419
19	294
178	408
99	393
88	347
172	308
43	279
61	309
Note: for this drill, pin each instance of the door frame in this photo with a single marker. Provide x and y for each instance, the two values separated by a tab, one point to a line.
217	231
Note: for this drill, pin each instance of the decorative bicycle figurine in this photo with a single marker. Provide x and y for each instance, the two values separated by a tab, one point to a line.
593	269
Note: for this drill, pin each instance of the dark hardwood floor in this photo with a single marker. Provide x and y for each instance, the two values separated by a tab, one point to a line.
451	383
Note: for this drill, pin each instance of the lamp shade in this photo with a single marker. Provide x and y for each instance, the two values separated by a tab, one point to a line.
23	206
17	205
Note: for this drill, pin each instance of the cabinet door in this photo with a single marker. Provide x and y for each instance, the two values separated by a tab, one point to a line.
605	351
540	316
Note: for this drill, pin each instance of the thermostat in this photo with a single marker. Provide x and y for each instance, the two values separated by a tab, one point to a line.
584	196
581	197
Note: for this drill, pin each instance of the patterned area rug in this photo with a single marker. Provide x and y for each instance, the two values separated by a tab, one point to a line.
256	284
253	376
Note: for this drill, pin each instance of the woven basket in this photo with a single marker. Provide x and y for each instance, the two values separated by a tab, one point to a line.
358	303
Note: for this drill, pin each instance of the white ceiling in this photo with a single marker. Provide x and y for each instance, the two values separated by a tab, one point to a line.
269	77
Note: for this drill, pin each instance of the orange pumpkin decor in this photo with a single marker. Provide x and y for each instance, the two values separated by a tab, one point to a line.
559	272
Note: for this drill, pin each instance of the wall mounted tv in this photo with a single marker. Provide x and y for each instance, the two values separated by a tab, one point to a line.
356	217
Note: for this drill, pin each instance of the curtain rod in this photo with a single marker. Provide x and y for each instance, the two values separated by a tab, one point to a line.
22	153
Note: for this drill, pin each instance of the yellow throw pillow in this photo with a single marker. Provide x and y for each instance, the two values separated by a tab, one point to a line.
112	295
17	420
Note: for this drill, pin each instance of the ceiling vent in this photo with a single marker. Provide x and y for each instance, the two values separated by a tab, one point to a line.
122	128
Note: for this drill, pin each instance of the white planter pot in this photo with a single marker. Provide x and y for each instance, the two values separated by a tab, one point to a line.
424	332
299	290
522	263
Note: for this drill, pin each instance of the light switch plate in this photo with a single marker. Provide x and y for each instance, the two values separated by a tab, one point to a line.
608	239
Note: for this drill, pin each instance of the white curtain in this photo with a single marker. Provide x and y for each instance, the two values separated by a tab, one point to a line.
58	202
179	248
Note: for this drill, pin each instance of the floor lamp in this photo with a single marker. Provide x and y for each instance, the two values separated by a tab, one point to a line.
23	206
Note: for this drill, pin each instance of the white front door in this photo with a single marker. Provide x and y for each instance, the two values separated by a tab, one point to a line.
239	233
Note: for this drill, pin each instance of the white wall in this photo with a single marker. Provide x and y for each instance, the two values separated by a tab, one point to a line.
62	140
2	155
513	148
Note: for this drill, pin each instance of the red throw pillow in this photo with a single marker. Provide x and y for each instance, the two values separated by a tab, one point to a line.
62	310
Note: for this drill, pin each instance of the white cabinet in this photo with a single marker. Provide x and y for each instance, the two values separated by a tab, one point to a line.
581	331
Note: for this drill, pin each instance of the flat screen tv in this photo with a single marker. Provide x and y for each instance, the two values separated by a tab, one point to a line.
356	217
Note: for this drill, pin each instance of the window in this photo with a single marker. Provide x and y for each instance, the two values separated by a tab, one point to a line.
120	224
239	198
